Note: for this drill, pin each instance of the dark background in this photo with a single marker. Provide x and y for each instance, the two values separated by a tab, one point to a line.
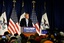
54	9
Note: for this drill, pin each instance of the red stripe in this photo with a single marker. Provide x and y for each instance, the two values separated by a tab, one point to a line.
11	28
12	24
10	31
17	26
37	27
16	30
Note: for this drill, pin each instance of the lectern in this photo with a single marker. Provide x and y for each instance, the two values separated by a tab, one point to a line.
28	31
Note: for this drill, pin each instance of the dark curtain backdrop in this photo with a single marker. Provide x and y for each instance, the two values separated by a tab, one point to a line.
18	8
1	6
62	14
57	13
8	6
39	9
28	6
54	9
50	14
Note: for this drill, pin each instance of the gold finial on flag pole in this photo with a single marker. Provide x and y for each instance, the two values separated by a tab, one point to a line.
14	1
22	4
33	4
3	3
44	5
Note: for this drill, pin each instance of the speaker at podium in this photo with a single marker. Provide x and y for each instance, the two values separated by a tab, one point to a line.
28	31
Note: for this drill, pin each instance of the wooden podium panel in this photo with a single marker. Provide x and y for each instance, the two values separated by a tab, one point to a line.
27	31
28	34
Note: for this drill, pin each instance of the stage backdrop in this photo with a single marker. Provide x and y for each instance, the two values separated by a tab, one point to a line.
54	10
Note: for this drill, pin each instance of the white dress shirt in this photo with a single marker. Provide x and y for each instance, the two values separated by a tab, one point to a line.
27	22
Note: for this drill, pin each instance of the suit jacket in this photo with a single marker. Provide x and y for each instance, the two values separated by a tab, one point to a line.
23	23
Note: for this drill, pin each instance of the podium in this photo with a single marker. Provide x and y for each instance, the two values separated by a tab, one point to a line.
28	31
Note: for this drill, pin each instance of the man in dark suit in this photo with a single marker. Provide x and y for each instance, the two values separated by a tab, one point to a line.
26	22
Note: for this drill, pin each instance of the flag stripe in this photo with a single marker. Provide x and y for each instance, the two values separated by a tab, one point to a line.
12	24
18	28
37	27
17	25
10	30
13	28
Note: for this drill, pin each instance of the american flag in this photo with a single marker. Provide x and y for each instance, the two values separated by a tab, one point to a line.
13	26
37	28
34	20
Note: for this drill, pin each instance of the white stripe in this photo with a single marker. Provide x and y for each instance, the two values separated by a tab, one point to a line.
37	29
37	25
19	32
11	30
12	22
40	30
16	29
18	25
33	24
12	27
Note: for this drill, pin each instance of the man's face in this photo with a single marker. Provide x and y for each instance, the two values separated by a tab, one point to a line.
27	16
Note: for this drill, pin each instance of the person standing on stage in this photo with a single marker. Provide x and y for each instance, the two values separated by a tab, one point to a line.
26	22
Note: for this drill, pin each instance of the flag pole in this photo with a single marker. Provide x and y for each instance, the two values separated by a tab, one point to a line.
33	4
14	1
22	4
44	7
